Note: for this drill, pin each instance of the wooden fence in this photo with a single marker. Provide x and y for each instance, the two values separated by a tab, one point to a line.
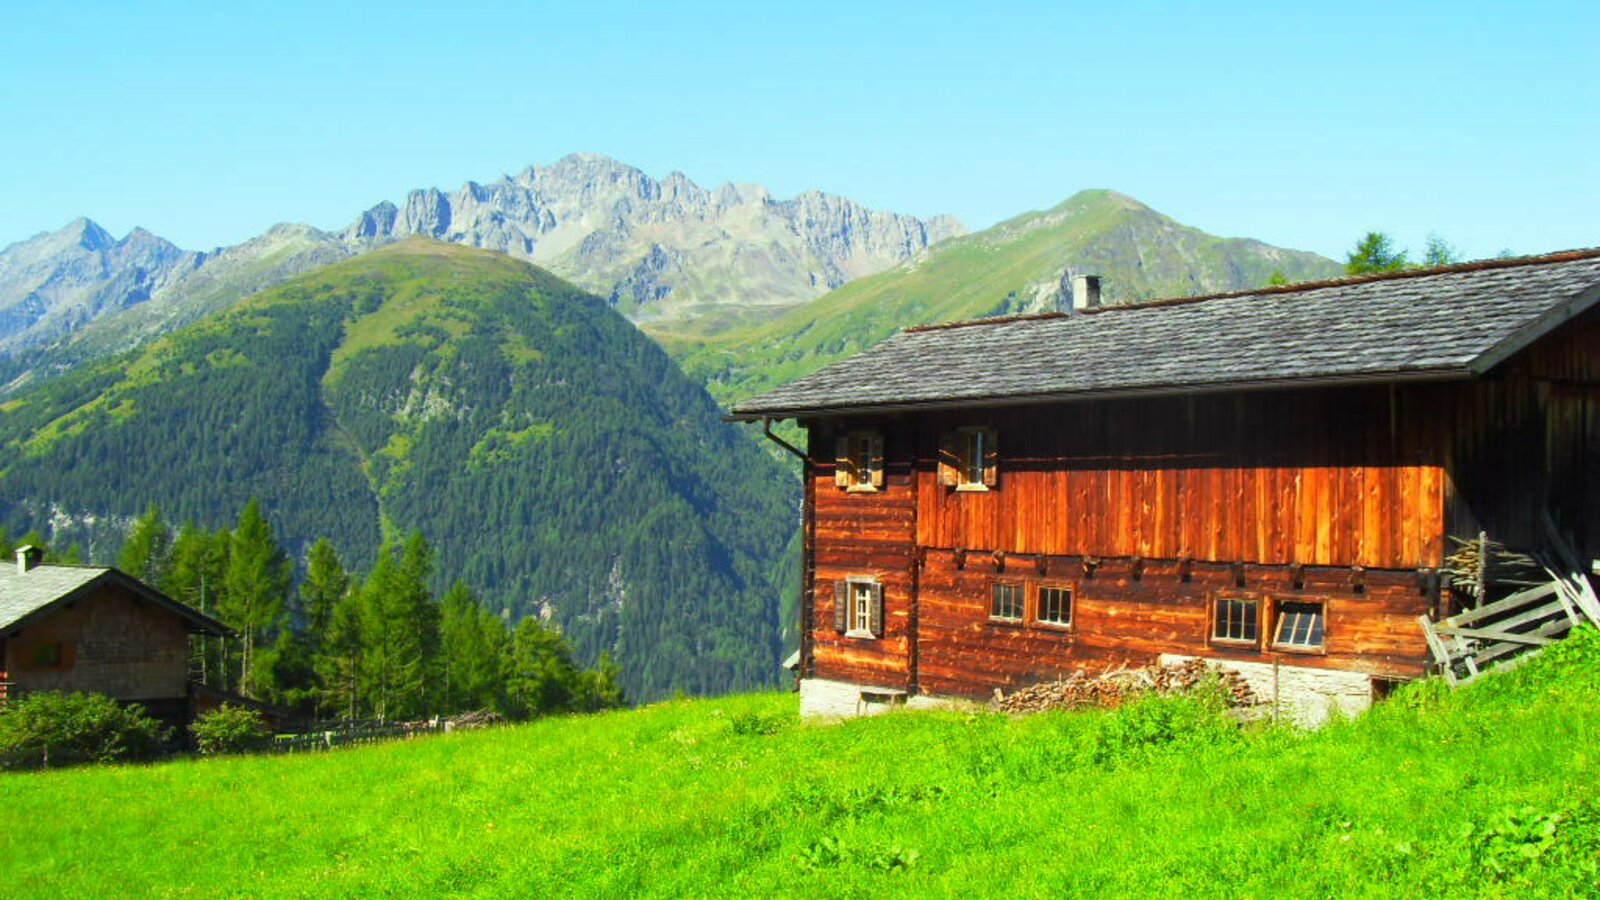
1466	644
343	734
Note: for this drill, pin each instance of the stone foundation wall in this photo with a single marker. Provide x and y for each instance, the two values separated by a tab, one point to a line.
1308	697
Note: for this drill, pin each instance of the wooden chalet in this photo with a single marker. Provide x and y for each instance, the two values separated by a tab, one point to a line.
100	630
1273	480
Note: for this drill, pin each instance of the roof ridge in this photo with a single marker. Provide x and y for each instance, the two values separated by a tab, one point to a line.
1478	265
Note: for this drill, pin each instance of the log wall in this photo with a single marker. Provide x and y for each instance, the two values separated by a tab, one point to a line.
1121	620
873	535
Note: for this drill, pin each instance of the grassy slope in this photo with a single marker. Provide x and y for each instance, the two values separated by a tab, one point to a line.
1487	790
1141	254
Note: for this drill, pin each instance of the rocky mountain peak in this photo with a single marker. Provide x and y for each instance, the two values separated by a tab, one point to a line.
662	250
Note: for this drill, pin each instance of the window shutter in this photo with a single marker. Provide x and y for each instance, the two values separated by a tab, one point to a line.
841	606
877	610
875	464
841	461
69	653
949	458
991	458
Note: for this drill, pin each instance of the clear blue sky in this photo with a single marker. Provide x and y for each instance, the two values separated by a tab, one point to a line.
1300	124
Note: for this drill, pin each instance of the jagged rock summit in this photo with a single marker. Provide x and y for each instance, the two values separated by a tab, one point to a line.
667	249
56	281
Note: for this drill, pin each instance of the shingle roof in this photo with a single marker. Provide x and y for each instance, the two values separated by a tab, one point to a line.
1453	322
24	595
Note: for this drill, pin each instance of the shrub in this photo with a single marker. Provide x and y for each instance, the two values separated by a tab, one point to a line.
229	729
54	729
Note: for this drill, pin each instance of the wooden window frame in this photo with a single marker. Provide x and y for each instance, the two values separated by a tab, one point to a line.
960	449
65	656
1318	649
849	591
1038	619
1021	617
1263	606
856	452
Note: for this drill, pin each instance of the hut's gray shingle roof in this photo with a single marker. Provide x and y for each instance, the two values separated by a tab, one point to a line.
23	594
1448	323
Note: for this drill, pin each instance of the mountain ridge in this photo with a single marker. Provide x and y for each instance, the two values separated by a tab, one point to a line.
1023	264
557	458
664	249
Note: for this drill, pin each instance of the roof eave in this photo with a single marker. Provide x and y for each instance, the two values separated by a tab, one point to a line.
197	622
1448	373
1524	337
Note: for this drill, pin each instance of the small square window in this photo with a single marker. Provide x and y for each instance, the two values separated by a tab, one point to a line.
1007	602
1236	620
1055	605
1299	626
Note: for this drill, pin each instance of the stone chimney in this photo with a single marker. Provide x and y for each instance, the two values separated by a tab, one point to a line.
1085	292
28	556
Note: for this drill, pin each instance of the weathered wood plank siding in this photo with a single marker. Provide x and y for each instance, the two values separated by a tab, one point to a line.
1122	620
871	535
1351	477
1526	440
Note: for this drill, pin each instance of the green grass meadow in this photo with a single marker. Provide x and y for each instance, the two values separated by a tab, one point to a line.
1485	791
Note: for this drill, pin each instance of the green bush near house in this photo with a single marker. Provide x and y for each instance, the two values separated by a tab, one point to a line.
48	729
230	728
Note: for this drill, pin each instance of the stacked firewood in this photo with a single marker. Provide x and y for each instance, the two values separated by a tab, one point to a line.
1116	687
1477	566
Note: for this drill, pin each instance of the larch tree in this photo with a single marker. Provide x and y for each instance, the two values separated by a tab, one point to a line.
147	552
257	584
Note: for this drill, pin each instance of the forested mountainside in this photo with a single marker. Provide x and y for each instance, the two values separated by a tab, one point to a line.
658	250
1020	265
554	456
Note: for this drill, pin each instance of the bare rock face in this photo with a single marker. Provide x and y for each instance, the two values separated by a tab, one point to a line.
54	282
662	250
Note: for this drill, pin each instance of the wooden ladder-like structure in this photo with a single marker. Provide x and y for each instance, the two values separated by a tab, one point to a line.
1511	628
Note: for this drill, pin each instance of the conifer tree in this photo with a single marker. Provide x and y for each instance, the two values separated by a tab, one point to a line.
540	678
195	574
400	630
257	583
325	584
473	642
147	552
340	664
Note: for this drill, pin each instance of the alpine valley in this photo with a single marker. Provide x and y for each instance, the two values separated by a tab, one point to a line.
464	365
